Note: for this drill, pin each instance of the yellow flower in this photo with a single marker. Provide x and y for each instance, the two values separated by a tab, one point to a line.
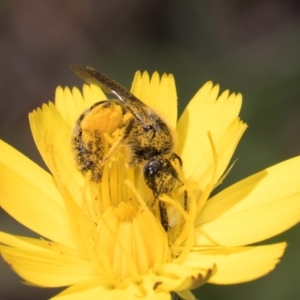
106	241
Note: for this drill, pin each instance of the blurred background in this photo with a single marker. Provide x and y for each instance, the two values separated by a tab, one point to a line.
252	47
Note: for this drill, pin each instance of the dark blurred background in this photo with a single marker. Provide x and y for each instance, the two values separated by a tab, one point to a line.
248	46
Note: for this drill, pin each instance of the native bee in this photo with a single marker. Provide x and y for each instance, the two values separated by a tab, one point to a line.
132	126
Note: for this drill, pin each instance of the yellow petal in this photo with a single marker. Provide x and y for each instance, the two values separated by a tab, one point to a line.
29	195
209	115
240	264
32	244
175	277
72	104
98	289
47	268
254	209
92	94
52	137
158	93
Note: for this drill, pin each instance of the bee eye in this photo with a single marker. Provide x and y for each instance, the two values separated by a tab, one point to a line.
148	128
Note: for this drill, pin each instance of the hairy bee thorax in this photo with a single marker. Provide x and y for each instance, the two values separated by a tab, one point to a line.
148	141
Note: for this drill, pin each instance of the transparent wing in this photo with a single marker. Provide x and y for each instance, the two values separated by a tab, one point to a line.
108	85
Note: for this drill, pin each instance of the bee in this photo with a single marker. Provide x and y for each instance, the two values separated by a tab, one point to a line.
126	123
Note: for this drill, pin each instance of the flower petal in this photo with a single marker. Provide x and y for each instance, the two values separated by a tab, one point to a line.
52	137
240	264
98	289
180	279
72	104
158	93
29	195
33	244
47	268
254	209
206	115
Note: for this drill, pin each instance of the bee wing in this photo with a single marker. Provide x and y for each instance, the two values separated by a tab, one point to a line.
108	85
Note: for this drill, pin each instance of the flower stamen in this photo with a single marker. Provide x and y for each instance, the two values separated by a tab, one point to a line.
131	266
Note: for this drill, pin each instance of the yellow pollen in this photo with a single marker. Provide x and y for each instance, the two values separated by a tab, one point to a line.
126	211
133	239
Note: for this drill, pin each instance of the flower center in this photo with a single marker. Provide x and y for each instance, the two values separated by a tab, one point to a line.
125	212
133	239
129	239
120	230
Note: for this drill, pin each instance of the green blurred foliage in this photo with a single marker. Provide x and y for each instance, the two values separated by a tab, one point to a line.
250	47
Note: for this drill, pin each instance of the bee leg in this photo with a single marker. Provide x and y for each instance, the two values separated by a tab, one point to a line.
162	211
163	215
158	175
185	200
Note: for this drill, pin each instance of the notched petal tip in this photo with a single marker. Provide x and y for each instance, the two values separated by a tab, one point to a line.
209	131
157	92
237	264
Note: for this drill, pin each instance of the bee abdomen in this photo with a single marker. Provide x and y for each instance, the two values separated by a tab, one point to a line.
89	155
